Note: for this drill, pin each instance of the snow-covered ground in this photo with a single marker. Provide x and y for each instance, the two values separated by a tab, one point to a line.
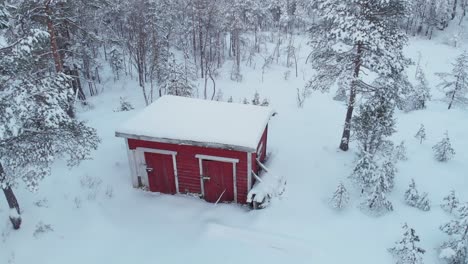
95	216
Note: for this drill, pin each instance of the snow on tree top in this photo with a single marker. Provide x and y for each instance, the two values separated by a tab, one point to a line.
183	120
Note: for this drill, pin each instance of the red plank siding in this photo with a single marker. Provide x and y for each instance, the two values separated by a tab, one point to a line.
188	169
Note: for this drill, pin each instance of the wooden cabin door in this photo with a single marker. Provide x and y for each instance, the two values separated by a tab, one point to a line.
218	181
160	170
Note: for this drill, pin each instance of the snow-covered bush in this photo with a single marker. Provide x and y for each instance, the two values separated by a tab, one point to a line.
421	134
376	201
406	250
414	199
340	198
256	99
265	102
443	150
420	94
230	99
125	105
450	202
364	170
92	185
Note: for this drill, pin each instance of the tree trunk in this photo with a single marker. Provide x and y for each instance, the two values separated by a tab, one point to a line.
15	213
53	39
344	143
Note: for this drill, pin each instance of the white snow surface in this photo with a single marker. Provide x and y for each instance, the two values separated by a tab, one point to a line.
203	121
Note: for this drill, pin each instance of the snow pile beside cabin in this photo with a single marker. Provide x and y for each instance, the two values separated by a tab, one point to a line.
194	120
268	186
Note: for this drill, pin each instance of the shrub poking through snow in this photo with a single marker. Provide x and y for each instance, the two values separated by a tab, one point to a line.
450	202
406	250
125	105
414	199
443	150
245	101
230	100
421	135
455	249
340	198
400	152
265	102
267	187
42	228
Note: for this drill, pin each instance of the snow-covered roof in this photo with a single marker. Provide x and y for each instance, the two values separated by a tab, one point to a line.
182	120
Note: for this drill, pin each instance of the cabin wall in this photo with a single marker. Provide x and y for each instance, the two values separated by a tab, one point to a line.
261	151
188	169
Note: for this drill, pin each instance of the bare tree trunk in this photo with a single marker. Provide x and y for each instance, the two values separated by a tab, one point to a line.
15	214
344	144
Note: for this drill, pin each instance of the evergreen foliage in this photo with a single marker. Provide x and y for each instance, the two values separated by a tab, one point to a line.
340	198
406	250
421	134
443	150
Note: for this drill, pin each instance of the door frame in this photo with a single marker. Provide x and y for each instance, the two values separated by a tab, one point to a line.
234	162
142	163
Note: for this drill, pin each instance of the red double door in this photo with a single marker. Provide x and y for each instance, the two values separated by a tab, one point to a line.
218	181
160	169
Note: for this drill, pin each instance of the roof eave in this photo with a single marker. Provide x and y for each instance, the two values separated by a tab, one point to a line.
186	142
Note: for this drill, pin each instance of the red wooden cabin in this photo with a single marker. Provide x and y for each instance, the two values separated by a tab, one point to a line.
184	145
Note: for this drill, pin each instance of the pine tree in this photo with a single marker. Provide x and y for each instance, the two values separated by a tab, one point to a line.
450	202
349	39
265	102
376	201
374	123
455	250
400	152
388	173
412	195
406	250
36	121
424	203
340	198
364	171
443	150
256	99
420	94
455	84
421	135
175	82
230	100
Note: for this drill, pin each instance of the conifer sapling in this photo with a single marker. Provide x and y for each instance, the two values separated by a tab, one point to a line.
450	202
340	198
406	250
443	150
421	134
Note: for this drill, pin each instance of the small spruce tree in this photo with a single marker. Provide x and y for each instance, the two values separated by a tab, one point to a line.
412	194
340	198
400	152
420	94
421	135
424	203
265	102
376	201
406	250
256	99
455	250
443	150
230	100
450	202
363	173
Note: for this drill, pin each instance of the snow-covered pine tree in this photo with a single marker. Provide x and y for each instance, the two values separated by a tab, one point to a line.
374	123
455	250
348	39
376	201
340	198
450	202
400	152
455	83
363	173
230	100
421	135
412	194
443	150
406	250
36	127
420	94
245	101
256	99
265	102
389	171
423	202
175	81
421	90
